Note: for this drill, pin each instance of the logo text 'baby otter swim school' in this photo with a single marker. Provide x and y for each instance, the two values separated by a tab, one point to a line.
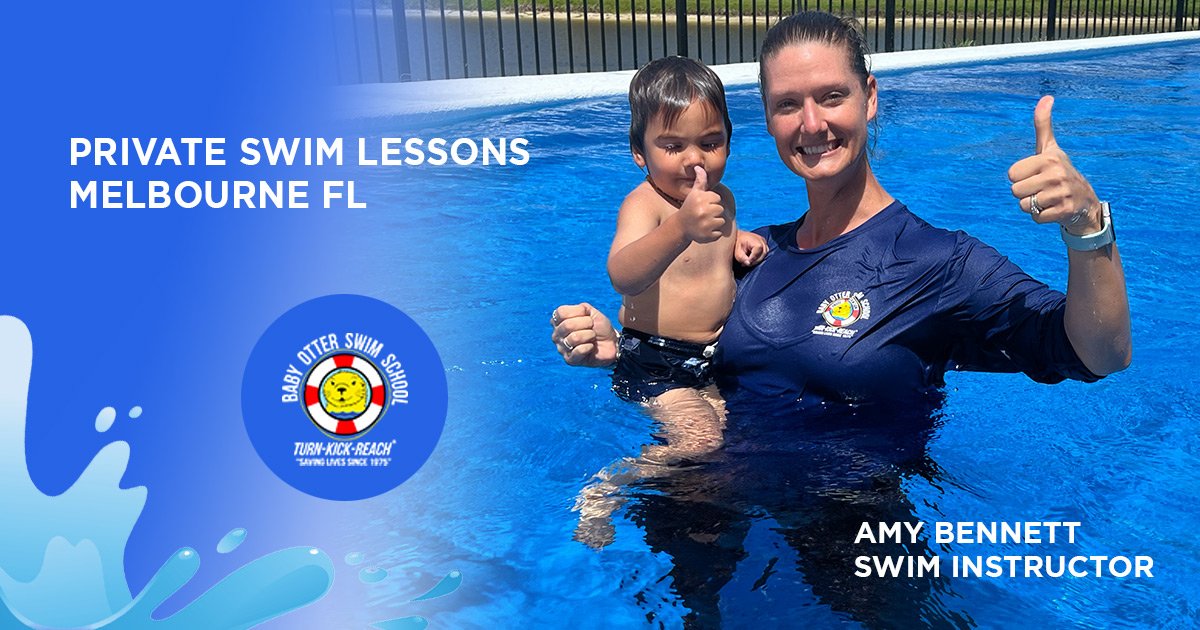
356	401
840	311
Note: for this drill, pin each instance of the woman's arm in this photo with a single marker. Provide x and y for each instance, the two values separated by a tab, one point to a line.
1051	190
1097	317
583	336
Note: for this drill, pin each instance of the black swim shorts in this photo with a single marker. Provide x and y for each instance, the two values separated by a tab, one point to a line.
650	365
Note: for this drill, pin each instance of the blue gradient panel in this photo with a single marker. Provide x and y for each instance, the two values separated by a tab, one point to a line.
152	313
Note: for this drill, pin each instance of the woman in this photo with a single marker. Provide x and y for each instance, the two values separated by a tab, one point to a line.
859	300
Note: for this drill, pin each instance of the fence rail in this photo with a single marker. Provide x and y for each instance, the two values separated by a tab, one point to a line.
440	39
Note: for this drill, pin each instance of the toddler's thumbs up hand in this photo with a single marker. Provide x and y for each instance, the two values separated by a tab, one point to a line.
702	215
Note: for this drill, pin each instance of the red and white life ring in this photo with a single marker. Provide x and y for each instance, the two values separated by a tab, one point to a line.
344	424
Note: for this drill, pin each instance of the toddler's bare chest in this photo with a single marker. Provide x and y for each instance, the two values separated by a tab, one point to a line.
704	259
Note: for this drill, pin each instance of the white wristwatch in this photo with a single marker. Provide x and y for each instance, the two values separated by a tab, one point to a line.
1095	240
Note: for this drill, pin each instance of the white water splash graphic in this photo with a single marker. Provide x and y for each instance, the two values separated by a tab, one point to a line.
70	548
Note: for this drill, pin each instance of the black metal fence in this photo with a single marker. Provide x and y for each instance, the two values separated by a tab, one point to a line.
438	39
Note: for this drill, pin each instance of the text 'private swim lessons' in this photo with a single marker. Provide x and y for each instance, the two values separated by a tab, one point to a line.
167	153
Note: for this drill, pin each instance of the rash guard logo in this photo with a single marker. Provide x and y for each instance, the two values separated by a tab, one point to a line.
840	311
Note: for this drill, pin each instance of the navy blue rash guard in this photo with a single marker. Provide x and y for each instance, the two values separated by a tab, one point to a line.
881	312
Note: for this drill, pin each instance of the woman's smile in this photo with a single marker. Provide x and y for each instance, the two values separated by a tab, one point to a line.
819	149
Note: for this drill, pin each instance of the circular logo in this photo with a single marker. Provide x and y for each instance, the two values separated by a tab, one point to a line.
344	397
842	312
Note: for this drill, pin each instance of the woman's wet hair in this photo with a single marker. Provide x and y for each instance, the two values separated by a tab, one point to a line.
817	26
668	86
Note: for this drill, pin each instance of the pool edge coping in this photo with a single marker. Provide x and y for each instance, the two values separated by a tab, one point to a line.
466	97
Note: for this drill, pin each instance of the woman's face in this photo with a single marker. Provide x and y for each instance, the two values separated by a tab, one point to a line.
817	111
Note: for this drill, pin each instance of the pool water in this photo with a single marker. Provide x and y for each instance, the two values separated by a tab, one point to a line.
482	255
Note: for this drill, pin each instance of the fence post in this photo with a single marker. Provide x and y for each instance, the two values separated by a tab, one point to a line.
400	29
1051	18
681	38
889	27
1179	15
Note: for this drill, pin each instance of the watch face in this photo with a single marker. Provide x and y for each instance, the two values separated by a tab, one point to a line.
1106	212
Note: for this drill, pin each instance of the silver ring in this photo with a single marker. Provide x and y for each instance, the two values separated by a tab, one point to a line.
1034	207
554	320
568	346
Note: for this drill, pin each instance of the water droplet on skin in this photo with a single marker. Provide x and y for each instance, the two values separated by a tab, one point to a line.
354	558
135	412
370	575
448	585
104	420
231	540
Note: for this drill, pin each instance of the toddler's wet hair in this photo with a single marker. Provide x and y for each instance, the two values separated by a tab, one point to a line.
667	86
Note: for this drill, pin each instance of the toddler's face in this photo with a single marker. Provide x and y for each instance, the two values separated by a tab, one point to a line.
696	137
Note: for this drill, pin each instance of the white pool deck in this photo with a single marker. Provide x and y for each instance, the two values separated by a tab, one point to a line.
387	100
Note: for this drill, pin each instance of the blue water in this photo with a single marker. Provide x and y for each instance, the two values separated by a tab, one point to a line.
499	247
